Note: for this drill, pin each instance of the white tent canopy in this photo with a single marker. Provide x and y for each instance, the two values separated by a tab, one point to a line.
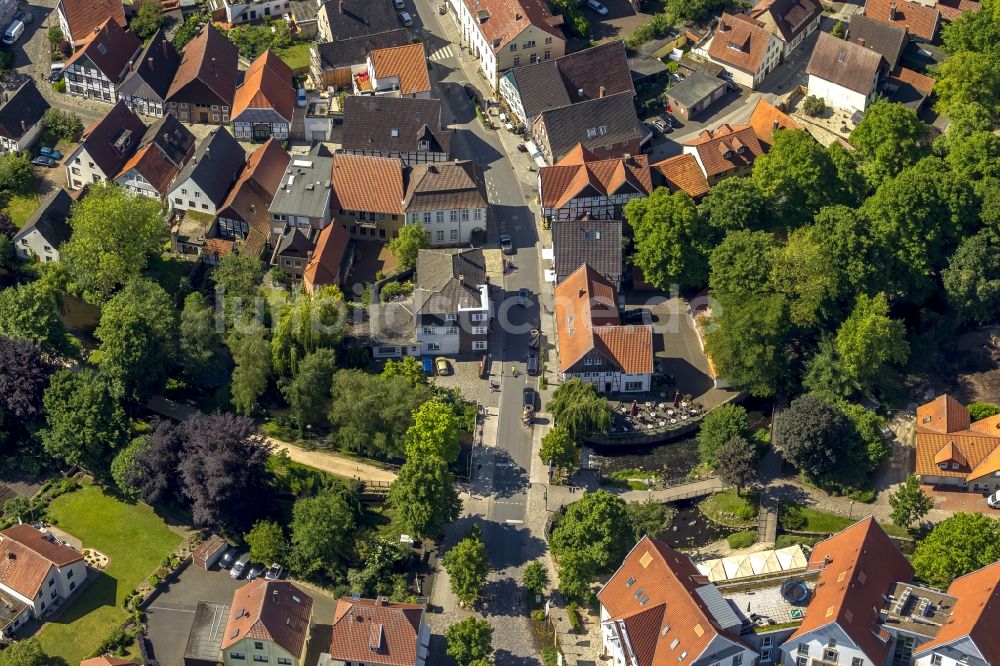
755	564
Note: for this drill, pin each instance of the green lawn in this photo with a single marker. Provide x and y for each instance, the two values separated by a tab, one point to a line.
296	55
134	538
730	509
20	207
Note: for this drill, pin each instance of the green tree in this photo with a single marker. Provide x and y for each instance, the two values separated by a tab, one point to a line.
199	341
115	233
972	278
718	427
306	323
850	181
322	533
889	139
61	125
968	77
737	460
55	36
598	525
469	641
29	312
192	26
308	392
671	239
25	652
824	373
974	31
869	340
839	31
735	204
424	497
267	542
803	272
147	19
740	266
577	407
378	577
411	239
810	434
746	340
236	280
84	425
138	334
16	173
975	155
577	571
467	568
252	373
796	177
434	432
649	518
957	546
865	447
909	502
121	467
982	410
850	248
408	367
558	448
536	577
812	105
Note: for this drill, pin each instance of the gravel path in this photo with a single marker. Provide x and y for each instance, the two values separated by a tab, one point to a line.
334	464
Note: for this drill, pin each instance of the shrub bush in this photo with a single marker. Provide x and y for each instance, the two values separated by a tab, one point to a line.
791	518
742	539
394	289
813	106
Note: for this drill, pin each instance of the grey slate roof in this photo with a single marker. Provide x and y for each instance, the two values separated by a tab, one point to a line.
369	123
21	110
294	242
445	186
50	219
354	50
354	18
696	87
888	40
215	165
568	125
448	279
392	323
594	242
305	187
153	70
844	63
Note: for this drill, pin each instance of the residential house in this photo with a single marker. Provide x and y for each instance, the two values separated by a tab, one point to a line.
205	84
204	181
791	21
102	62
844	74
399	71
887	39
333	64
765	119
729	150
658	609
46	229
331	260
238	12
107	661
368	195
264	102
161	154
857	568
597	243
503	34
451	302
402	127
952	9
745	48
391	329
921	21
244	214
104	147
593	345
148	80
38	570
969	637
347	19
606	126
303	199
378	631
954	451
581	185
293	250
448	199
529	89
269	622
681	172
694	94
909	88
21	113
79	18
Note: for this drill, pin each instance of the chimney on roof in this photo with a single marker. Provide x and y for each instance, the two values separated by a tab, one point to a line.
517	16
582	292
253	209
892	12
274	595
827	560
861	41
340	6
601	91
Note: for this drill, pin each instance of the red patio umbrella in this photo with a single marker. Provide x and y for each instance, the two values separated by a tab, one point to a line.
635	408
677	399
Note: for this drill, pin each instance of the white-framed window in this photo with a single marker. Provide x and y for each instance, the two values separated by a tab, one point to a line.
465	215
479	330
427	217
804	649
765	655
513	47
453	215
450	317
453	234
738	659
478	345
477	214
517	61
439	217
433	346
637	386
548	40
954	465
588	361
239	656
936	660
766	641
478	316
528	45
857	661
440	236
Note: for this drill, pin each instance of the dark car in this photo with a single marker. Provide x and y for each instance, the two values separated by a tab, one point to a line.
255	571
529	397
44	161
522	297
662	125
506	244
532	364
636	317
672	120
229	557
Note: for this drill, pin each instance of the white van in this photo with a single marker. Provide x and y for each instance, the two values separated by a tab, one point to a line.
994	500
13	32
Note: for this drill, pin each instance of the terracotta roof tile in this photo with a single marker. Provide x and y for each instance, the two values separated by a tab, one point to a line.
271	610
943	414
683	173
371	184
85	15
740	41
728	147
845	63
766	118
207	74
630	347
976	614
107	661
110	48
790	17
952	9
164	149
377	632
508	18
919	20
408	62
921	83
26	557
328	257
580	174
857	567
267	84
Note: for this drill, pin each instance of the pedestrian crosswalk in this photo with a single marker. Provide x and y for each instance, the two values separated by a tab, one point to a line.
442	53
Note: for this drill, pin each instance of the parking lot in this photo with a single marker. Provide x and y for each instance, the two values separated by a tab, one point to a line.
171	612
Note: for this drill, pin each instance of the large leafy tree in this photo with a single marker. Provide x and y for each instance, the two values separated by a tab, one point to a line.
138	335
810	434
889	139
147	19
850	181
803	272
154	466
28	312
972	278
25	652
869	340
322	531
740	266
671	240
380	576
115	233
411	239
746	339
557	448
408	367
307	323
737	460
424	497
957	546
825	374
849	247
122	466
16	173
84	424
735	204
577	407
718	427
236	279
252	374
24	375
467	567
536	577
909	502
434	432
308	392
974	31
796	176
267	541
975	155
200	342
968	77
598	526
470	641
576	573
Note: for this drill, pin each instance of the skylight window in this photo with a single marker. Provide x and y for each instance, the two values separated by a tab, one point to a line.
630	582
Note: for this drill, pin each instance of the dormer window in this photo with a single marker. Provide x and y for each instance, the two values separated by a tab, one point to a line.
394	133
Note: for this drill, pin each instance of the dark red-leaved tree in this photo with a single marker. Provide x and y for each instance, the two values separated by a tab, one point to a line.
24	374
154	469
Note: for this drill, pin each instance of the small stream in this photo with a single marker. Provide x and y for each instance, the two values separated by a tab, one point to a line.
691	529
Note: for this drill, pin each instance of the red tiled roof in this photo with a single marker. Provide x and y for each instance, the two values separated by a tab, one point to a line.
208	69
918	19
365	183
270	610
790	17
766	118
26	557
373	631
952	9
508	18
107	661
945	436
976	614
100	137
85	15
631	347
857	567
110	48
327	258
267	84
408	62
683	173
921	83
728	147
740	41
579	170
252	193
943	414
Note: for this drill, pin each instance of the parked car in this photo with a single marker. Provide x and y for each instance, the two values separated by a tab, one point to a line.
44	161
597	7
994	500
229	557
406	19
640	316
522	297
13	32
274	572
887	434
441	363
670	118
255	571
56	71
662	125
240	566
506	245
428	364
50	152
399	4
300	98
529	397
532	364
